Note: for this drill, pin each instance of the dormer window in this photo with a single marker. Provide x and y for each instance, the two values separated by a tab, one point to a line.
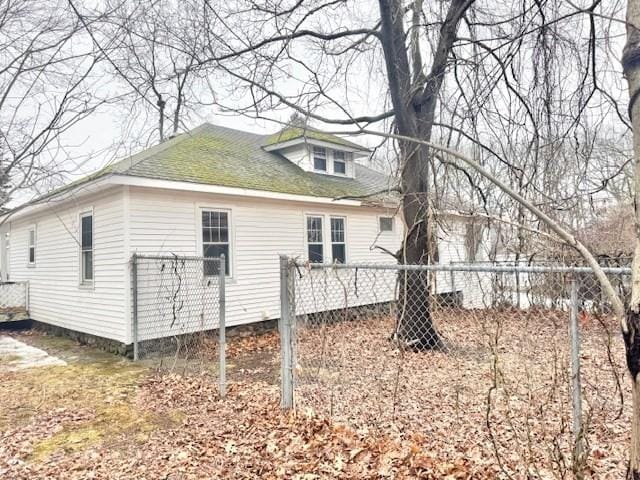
320	159
339	162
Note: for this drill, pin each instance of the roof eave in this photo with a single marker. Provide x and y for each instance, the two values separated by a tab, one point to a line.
361	151
79	191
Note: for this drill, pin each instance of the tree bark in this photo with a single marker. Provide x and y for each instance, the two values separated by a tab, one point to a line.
631	324
414	95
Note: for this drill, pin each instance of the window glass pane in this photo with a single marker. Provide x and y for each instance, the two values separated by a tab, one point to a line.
314	229
32	254
320	158
315	253
87	265
386	224
337	230
215	239
338	252
339	167
32	237
87	232
214	251
338	155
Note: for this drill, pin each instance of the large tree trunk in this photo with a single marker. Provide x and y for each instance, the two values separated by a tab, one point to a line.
631	324
414	95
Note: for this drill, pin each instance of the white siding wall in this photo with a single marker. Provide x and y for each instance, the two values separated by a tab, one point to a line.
55	293
163	222
153	221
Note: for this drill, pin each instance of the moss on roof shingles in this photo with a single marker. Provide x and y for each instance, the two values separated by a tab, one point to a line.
215	155
292	133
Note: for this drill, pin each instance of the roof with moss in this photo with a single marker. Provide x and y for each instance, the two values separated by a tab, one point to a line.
214	155
306	133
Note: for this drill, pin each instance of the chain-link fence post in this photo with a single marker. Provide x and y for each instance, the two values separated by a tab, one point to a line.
222	334
287	311
576	386
452	280
134	293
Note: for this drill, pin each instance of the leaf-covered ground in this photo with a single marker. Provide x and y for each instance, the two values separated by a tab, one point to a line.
371	411
103	417
498	396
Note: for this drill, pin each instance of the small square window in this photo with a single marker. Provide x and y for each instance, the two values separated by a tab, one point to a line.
386	224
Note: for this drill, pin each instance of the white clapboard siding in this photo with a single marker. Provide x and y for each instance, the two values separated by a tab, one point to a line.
164	222
55	294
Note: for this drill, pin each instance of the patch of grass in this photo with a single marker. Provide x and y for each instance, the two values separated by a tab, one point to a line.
4	359
31	392
110	422
101	391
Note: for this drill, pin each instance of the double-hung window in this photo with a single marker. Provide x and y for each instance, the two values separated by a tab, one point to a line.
338	244
86	248
320	159
314	239
339	162
32	246
215	240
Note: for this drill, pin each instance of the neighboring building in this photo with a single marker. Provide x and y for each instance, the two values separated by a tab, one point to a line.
210	191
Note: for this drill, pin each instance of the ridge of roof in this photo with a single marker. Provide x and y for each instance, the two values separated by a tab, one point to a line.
223	156
290	133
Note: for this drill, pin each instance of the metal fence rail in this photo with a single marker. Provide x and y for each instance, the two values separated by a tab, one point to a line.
520	362
179	313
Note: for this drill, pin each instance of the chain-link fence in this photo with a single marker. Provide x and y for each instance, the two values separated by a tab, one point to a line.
523	365
14	301
179	313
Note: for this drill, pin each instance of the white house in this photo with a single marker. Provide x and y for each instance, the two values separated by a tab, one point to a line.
298	192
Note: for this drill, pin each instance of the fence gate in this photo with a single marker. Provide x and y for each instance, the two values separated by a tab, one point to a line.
522	366
179	313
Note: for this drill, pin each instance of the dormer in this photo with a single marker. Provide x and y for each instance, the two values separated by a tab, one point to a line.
316	151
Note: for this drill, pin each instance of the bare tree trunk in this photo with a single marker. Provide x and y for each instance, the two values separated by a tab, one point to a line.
631	325
414	95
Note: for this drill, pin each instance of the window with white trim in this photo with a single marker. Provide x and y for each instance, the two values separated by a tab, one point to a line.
338	243
86	247
339	162
386	224
315	247
215	240
320	159
32	246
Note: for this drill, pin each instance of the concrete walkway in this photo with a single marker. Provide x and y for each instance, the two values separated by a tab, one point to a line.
16	355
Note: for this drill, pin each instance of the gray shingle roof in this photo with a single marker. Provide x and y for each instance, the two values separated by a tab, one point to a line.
214	155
